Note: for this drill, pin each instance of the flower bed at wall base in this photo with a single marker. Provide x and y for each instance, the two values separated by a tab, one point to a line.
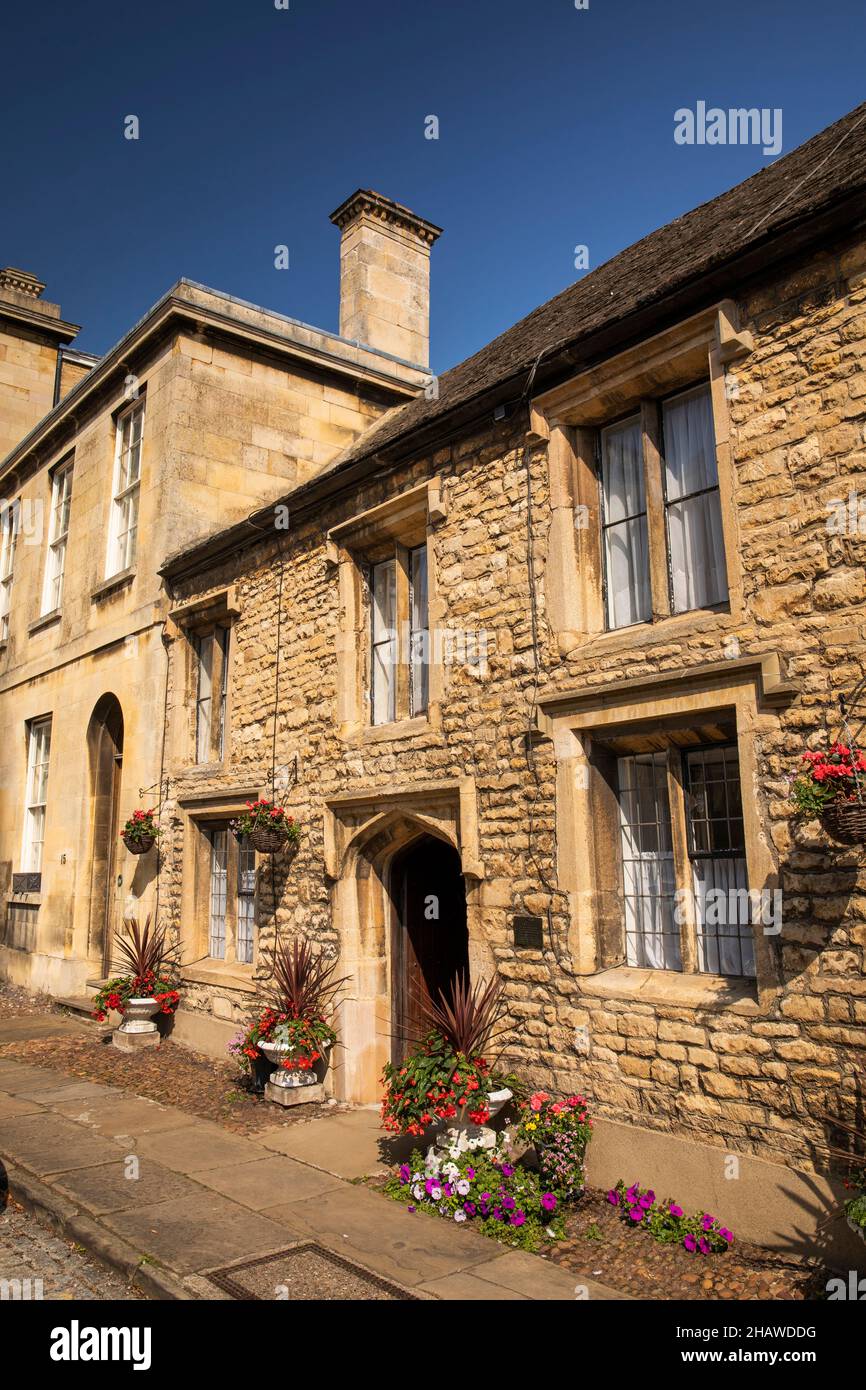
559	1130
701	1234
501	1199
118	991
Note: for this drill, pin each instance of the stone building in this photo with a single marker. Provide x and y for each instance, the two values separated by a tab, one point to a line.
532	663
208	408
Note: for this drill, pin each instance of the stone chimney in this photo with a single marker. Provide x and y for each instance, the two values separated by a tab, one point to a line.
385	275
32	338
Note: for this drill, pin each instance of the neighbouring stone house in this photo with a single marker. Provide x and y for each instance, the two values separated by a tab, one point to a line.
208	408
532	661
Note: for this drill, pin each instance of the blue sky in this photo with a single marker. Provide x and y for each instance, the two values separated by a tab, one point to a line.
555	129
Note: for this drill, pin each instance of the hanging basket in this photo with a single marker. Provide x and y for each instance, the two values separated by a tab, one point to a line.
142	845
845	821
272	841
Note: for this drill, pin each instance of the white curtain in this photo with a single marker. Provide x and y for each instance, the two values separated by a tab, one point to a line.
419	635
384	642
626	552
726	943
652	934
697	546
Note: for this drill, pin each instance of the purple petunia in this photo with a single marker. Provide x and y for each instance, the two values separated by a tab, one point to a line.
636	1214
405	1172
507	1170
508	1203
548	1201
518	1218
689	1242
646	1201
613	1198
726	1234
675	1210
470	1208
704	1245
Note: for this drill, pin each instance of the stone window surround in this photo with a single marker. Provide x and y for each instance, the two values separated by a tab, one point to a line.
187	621
199	812
743	689
569	417
406	520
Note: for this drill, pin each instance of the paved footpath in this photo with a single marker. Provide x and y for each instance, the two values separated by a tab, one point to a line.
164	1197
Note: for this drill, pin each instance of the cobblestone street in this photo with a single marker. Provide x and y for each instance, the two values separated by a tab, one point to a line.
29	1251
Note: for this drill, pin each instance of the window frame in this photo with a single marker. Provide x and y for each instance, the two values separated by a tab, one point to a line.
117	561
236	851
213	740
402	700
55	559
9	528
32	846
657	507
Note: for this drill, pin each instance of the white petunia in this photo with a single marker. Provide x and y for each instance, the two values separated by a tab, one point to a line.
463	1188
460	1216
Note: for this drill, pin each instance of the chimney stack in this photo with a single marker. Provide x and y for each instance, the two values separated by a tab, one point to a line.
385	275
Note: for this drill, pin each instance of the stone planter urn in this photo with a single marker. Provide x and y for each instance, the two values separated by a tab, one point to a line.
138	1028
291	1087
462	1134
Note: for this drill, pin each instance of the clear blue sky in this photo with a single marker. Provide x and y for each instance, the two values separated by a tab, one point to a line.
556	128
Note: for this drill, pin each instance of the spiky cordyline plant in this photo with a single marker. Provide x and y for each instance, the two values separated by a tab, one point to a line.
305	984
145	950
467	1017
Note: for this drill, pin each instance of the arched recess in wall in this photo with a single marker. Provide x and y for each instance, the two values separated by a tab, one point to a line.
105	754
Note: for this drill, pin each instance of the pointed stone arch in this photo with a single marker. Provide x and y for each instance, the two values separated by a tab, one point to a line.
364	831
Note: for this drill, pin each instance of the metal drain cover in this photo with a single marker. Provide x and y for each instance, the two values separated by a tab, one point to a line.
305	1272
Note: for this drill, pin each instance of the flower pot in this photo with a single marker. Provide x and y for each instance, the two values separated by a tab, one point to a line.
277	1053
141	845
845	821
138	1016
461	1133
271	841
858	1230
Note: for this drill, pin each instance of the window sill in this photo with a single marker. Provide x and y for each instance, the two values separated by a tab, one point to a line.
46	620
733	993
110	586
399	728
228	975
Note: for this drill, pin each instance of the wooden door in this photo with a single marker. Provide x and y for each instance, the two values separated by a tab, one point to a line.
431	942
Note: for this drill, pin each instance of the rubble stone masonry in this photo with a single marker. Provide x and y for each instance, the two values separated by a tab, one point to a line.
754	1075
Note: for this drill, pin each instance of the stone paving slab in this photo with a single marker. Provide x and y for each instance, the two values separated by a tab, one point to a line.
349	1145
108	1188
22	1078
39	1026
538	1279
72	1093
363	1226
192	1234
465	1286
268	1182
17	1105
120	1116
198	1146
49	1143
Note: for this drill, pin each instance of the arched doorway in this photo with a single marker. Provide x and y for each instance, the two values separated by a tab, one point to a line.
430	942
105	751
